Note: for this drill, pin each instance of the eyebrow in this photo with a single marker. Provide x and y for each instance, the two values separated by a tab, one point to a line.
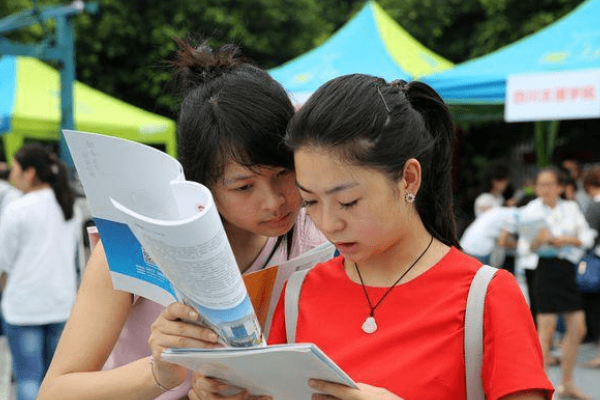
335	189
237	179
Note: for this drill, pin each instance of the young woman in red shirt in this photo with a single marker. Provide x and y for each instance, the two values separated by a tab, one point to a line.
373	163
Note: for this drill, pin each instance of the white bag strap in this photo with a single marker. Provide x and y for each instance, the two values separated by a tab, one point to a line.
291	303
474	331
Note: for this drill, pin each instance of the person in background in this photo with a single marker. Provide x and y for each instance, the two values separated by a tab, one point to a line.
373	167
559	244
591	183
38	239
526	263
490	229
8	193
495	183
575	171
232	121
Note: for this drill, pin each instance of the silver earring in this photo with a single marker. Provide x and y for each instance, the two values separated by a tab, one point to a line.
409	197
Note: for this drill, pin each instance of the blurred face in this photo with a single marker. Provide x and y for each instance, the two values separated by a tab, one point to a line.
18	177
572	167
263	201
548	188
357	208
500	185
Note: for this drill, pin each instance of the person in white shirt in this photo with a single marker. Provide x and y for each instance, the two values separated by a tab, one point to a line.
496	183
7	194
575	171
38	238
591	183
558	241
482	236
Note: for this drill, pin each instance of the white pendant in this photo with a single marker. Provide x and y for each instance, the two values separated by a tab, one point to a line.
369	326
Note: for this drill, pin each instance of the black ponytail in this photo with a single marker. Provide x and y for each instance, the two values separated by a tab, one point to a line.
381	125
51	170
435	203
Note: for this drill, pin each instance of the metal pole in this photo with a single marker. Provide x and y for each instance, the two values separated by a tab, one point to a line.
66	39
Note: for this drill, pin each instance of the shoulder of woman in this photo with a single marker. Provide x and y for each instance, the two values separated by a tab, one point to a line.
503	287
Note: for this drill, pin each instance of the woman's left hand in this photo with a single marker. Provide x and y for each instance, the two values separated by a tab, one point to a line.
205	388
364	392
562	241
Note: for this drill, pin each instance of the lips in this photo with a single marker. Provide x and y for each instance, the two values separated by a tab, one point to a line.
278	220
346	247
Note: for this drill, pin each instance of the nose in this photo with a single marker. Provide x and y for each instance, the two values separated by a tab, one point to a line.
273	198
327	221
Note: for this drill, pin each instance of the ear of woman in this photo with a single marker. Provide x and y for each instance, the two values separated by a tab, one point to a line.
411	177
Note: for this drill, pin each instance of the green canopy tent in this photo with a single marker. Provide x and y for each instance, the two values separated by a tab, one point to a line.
30	110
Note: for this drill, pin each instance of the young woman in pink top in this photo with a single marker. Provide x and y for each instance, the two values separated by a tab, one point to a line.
231	125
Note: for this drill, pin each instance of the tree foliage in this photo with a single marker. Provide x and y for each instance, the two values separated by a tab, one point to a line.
122	49
463	29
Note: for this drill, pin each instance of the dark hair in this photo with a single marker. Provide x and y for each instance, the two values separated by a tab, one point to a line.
495	172
560	177
230	110
49	169
591	178
372	123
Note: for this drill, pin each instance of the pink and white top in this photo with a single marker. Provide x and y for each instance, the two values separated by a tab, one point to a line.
132	344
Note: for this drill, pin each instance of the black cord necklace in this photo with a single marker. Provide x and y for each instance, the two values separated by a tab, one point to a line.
370	326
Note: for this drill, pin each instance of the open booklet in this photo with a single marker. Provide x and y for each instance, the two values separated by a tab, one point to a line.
164	239
265	286
280	371
528	229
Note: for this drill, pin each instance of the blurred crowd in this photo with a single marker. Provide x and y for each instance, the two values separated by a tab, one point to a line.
545	233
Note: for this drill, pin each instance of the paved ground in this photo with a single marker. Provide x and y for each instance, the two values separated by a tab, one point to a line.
587	379
5	371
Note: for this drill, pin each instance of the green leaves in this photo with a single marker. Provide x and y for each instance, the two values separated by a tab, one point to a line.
122	49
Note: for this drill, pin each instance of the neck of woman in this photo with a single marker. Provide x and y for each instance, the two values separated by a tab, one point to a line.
551	202
246	246
383	268
37	186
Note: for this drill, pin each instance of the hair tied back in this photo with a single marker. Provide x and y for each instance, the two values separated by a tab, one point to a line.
400	84
201	64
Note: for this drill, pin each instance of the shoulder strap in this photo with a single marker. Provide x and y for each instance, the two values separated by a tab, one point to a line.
474	331
291	303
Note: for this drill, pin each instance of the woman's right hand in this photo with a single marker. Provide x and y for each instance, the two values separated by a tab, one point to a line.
543	237
173	329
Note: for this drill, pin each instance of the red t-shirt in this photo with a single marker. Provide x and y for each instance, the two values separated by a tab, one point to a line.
418	350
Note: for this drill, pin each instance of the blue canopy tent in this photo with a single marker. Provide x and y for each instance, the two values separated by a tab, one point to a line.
571	43
477	88
371	43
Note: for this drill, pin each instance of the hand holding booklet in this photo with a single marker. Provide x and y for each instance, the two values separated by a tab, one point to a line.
163	236
280	371
164	239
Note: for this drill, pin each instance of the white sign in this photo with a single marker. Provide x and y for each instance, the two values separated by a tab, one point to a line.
553	96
